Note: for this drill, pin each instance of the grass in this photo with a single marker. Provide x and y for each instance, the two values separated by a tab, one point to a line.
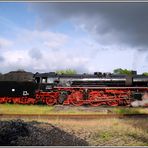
38	109
24	109
44	109
115	132
130	110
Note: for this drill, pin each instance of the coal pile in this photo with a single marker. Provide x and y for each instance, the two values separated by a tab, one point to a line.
20	133
19	75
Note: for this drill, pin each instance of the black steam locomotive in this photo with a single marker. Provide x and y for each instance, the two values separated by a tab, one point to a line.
97	79
94	89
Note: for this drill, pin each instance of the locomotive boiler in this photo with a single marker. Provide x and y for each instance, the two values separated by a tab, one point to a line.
78	89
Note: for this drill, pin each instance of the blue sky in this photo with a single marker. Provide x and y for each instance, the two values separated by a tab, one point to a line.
86	37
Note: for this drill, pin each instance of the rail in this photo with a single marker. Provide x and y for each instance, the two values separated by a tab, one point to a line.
71	116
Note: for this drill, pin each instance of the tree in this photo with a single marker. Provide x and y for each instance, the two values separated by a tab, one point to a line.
67	71
122	71
118	71
145	74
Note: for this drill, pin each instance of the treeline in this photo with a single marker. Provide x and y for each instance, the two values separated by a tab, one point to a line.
67	71
115	71
126	71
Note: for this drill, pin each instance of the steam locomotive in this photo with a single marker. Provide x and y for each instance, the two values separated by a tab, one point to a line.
78	89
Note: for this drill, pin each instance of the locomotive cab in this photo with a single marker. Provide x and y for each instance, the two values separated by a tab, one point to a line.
46	81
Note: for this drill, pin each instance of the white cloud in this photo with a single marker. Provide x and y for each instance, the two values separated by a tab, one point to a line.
5	43
40	39
16	58
39	51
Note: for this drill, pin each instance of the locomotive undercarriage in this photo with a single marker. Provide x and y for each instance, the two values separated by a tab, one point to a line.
101	96
81	96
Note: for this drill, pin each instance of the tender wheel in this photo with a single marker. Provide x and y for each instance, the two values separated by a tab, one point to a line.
16	100
23	100
3	100
31	101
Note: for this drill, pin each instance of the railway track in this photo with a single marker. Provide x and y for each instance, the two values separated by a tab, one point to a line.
71	116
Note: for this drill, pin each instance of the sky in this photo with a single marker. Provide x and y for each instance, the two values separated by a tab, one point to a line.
84	36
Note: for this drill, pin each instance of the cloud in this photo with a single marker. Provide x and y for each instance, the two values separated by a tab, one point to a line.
123	24
80	53
35	53
2	59
5	43
50	40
